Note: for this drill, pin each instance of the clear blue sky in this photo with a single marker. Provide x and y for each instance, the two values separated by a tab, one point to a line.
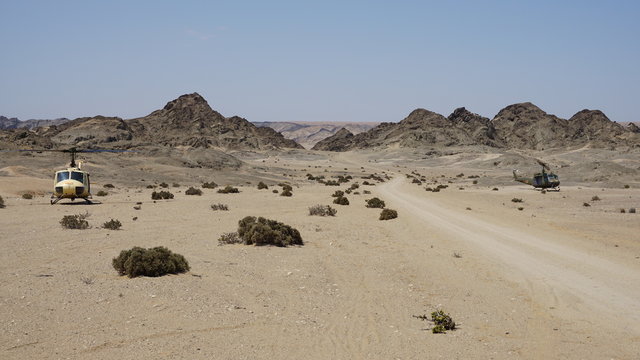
318	61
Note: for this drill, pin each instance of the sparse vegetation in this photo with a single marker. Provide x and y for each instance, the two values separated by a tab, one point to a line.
75	221
175	185
627	186
516	200
457	255
228	190
222	207
209	185
388	214
286	192
161	195
520	208
338	193
193	191
366	192
322	210
275	191
102	193
153	262
163	185
261	231
229	238
375	203
586	204
150	186
109	186
1	203
442	321
27	196
632	210
494	189
262	185
341	200
595	198
112	224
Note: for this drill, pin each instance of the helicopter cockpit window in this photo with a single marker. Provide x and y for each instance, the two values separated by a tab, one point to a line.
78	176
62	176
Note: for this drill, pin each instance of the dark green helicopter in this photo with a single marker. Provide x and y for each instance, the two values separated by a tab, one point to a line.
542	180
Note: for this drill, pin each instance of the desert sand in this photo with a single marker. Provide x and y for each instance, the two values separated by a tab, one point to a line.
555	280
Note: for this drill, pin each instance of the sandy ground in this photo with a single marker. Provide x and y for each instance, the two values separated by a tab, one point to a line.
555	280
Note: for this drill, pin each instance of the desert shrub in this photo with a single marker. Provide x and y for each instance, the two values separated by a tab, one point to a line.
516	200
622	211
626	186
285	186
475	182
286	192
356	193
416	181
27	196
338	193
175	185
495	189
229	238
632	210
366	192
586	204
150	186
348	191
163	185
193	191
109	186
222	207
366	183
331	183
442	321
275	191
595	198
341	200
1	202
322	210
160	195
229	190
375	203
520	208
354	186
152	262
388	214
102	193
262	185
209	185
75	221
112	224
261	231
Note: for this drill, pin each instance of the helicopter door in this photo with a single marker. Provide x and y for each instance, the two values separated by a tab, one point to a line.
537	180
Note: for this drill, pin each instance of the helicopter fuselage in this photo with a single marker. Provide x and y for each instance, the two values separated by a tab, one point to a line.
71	183
542	180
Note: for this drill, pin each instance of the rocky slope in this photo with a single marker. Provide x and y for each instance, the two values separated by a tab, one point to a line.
14	123
308	134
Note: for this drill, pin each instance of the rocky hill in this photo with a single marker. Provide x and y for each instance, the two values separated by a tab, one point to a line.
308	134
14	123
520	126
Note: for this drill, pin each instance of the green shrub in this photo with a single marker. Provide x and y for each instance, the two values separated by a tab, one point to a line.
75	221
516	200
27	196
151	262
209	185
228	190
222	207
263	231
262	185
388	214
109	186
161	195
193	191
322	210
229	238
375	203
1	202
164	185
102	193
338	193
341	200
286	192
112	225
442	322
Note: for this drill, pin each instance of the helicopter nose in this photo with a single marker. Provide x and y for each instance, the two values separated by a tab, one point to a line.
68	189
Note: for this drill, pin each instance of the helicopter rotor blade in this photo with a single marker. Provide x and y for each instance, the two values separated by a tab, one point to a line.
543	164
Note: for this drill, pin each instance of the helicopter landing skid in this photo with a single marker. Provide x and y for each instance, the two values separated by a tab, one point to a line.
53	201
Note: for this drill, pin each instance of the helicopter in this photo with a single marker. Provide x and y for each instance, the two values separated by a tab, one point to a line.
73	182
541	180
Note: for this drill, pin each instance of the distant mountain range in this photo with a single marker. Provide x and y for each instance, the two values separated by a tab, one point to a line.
14	123
308	134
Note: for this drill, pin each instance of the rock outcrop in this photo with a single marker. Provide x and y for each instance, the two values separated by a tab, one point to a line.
336	142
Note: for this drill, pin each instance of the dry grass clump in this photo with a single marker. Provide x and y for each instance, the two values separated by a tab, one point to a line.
161	195
102	193
153	262
75	221
261	231
375	203
193	191
322	210
341	200
388	214
27	196
229	238
112	224
209	185
228	190
222	207
262	185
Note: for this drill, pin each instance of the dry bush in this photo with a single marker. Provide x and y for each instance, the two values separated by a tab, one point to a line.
75	221
262	185
112	224
209	185
632	210
285	187
595	198
193	191
151	262
222	207
341	200
102	193
261	231
375	203
27	196
275	191
286	192
161	195
163	185
366	192
322	210
516	200
109	186
229	238
586	204
388	214
228	190
1	203
175	185
338	193
443	322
